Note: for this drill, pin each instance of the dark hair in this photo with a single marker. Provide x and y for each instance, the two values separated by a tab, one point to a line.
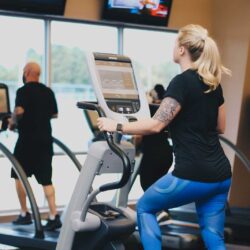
159	90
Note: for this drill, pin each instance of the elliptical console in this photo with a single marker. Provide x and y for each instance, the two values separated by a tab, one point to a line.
92	225
118	93
4	107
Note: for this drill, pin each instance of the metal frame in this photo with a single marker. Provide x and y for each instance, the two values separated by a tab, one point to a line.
23	178
237	151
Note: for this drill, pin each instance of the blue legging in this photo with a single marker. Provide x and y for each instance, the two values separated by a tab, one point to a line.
169	192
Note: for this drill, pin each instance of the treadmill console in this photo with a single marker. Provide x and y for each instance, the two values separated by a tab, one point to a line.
116	88
4	106
4	100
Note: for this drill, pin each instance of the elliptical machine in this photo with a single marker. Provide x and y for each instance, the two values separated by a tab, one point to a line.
88	224
91	225
4	107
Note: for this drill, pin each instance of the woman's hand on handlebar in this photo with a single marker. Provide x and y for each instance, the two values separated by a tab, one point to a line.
106	124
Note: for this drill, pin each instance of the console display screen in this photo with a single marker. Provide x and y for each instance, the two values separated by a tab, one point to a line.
117	80
3	101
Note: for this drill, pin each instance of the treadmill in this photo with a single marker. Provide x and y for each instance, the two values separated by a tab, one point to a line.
29	235
33	235
7	231
87	224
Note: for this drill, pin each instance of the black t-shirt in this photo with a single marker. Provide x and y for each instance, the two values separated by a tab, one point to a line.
198	153
152	144
39	104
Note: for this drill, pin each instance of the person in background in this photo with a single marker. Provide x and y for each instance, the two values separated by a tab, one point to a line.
194	111
157	93
157	153
35	106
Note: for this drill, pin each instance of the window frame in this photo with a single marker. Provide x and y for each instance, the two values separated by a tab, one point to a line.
47	37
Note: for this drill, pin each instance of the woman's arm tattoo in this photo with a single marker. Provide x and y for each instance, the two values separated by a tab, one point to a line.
168	109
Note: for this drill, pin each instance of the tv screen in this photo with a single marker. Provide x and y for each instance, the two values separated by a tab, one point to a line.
149	12
47	7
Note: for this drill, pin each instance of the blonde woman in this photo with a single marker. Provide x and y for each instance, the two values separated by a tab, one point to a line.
193	107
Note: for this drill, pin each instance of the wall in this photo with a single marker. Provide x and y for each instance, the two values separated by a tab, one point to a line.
182	11
192	11
231	30
83	9
240	191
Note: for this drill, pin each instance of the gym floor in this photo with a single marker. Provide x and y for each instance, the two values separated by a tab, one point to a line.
237	247
229	247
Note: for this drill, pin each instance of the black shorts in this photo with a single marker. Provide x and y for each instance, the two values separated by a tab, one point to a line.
155	164
35	159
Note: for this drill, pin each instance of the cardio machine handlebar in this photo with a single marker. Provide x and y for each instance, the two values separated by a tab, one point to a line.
91	106
109	138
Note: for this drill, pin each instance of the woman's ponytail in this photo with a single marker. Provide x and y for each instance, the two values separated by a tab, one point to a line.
204	54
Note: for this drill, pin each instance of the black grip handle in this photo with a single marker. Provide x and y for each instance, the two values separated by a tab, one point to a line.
91	106
126	169
109	138
4	119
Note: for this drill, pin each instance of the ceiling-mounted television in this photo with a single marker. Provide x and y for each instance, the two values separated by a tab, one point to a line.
148	12
46	7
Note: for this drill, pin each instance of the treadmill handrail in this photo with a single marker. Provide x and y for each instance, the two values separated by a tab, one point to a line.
39	233
237	151
68	152
119	152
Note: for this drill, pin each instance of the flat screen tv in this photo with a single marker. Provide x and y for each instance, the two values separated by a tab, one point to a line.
148	12
47	7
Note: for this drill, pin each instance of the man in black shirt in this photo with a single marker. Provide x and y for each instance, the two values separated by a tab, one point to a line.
35	105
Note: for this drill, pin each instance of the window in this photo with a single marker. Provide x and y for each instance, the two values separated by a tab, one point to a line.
70	77
18	46
152	54
16	49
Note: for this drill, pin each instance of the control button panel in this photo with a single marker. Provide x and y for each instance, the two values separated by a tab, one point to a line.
126	107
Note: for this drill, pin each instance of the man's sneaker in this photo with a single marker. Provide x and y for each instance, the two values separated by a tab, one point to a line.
23	220
52	225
